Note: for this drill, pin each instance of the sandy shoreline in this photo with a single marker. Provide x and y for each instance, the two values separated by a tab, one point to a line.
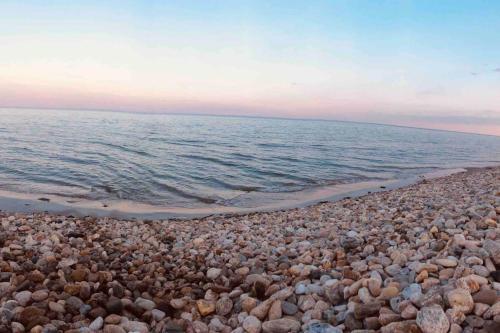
32	203
422	258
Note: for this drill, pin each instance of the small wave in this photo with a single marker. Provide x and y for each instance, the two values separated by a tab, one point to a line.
244	156
273	145
123	148
210	159
184	194
243	188
285	176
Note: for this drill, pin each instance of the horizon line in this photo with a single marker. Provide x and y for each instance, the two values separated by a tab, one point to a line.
242	116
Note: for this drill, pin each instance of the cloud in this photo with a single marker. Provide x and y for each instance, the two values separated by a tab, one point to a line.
496	69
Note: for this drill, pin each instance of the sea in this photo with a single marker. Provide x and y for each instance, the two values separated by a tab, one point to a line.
194	161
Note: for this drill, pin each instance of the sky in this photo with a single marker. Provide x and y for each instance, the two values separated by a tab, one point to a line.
433	64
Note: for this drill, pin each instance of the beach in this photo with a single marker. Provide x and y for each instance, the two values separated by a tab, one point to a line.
421	258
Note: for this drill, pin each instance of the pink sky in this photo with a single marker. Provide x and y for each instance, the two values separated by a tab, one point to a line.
399	63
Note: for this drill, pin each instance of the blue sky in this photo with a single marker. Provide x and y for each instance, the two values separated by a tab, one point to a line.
417	63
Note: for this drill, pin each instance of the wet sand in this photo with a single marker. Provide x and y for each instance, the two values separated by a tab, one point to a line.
30	203
421	258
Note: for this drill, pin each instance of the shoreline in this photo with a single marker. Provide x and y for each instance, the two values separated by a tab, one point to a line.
32	203
421	258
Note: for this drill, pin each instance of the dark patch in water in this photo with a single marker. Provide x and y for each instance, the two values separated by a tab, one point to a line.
44	199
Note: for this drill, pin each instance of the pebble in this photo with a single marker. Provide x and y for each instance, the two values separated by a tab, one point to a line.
284	325
422	258
252	324
432	320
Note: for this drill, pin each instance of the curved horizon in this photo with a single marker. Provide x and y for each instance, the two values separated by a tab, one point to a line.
413	63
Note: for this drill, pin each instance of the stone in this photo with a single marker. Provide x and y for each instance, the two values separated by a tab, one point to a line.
461	300
135	326
252	324
57	307
213	273
366	310
113	319
261	310
248	304
283	325
178	303
97	324
446	262
485	296
493	249
114	306
145	304
23	297
29	314
157	314
432	320
113	329
407	326
205	307
306	302
39	295
322	328
223	306
275	311
388	293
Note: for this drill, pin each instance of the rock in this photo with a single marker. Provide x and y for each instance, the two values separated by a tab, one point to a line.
366	310
135	326
283	325
29	314
178	303
213	273
79	274
145	304
97	324
275	311
261	310
388	293
493	249
23	297
113	319
447	262
351	240
413	292
39	295
73	305
205	307
321	328
157	314
432	320
485	296
408	326
409	312
113	329
461	300
495	275
289	308
17	327
252	324
248	304
493	311
56	307
393	270
114	306
306	302
224	306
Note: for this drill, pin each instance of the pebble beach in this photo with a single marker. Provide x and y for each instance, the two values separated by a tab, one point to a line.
423	258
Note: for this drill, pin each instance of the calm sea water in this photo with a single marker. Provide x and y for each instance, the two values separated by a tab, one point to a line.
194	161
